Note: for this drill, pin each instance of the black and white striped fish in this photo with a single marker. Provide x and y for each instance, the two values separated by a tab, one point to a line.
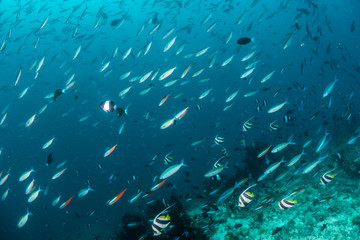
273	126
168	159
247	125
218	140
327	177
246	197
286	203
224	152
161	221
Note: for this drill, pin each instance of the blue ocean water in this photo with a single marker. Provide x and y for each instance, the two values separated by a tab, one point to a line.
305	44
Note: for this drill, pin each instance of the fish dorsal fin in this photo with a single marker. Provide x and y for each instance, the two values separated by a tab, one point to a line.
249	188
164	210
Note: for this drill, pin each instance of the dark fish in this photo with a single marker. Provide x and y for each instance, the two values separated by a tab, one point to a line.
57	94
49	159
278	229
120	111
297	26
314	115
115	22
352	27
244	40
323	227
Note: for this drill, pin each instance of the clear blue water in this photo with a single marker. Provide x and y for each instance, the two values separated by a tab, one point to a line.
330	49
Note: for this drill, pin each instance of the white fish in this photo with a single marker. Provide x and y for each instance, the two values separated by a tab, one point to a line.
288	41
323	142
307	143
273	167
172	170
247	57
105	66
71	78
170	83
84	192
205	93
155	74
25	175
126	54
145	91
329	88
295	159
147	48
5	194
18	77
201	52
115	52
30	121
125	75
198	72
24	219
313	164
123	92
22	94
251	65
212	62
34	195
249	94
121	129
56	201
281	146
169	44
60	165
267	77
48	96
3	119
180	49
48	143
77	52
228	38
168	33
227	61
247	73
44	23
40	64
167	123
167	73
146	76
232	96
84	117
277	107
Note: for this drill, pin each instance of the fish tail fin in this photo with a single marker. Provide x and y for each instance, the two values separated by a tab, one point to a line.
183	164
28	212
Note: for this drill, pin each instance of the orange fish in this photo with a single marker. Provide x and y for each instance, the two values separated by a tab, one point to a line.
262	153
116	198
64	204
3	180
110	150
164	99
157	186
